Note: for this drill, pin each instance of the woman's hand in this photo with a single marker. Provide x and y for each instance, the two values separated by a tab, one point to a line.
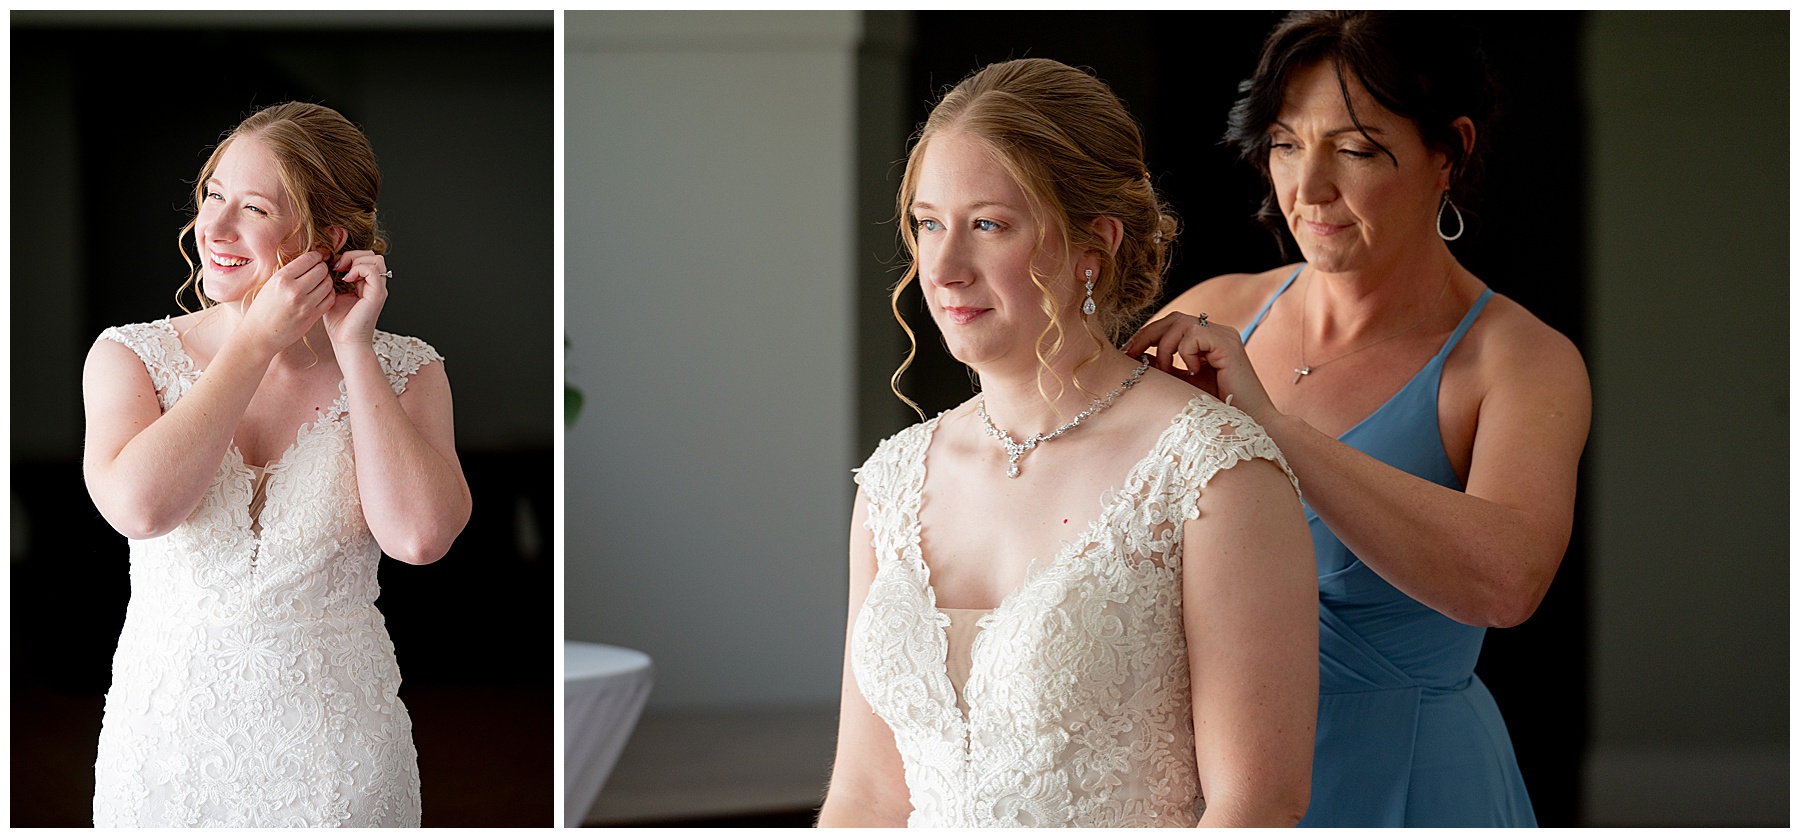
288	304
350	319
1212	356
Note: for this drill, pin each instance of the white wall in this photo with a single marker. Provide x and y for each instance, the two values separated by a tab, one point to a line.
709	307
1689	323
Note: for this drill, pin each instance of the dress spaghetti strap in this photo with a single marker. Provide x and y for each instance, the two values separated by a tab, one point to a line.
1250	329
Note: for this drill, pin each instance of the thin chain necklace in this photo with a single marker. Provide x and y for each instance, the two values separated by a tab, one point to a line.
1306	369
1015	450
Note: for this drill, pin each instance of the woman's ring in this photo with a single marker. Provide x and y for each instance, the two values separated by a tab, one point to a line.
389	273
1203	323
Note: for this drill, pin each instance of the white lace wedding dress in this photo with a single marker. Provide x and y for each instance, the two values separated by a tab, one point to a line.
255	684
1079	712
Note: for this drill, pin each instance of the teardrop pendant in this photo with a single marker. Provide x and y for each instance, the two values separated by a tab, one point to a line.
1087	307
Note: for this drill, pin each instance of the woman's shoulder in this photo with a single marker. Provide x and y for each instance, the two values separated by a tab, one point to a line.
403	355
124	331
1210	436
1232	299
156	342
896	454
1507	341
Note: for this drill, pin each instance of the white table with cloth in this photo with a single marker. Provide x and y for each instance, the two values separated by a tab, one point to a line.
605	688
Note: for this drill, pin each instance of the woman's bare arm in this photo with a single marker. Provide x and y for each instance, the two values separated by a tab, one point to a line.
1250	610
414	495
1484	556
147	470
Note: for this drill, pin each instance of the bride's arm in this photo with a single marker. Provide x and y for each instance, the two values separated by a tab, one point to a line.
414	496
1250	609
868	784
147	470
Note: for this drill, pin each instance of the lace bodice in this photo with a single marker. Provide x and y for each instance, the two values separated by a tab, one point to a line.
1079	708
255	683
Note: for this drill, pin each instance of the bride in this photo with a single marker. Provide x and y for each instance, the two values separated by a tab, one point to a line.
1084	597
254	683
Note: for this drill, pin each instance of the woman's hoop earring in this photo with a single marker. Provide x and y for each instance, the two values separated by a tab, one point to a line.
1446	202
1087	307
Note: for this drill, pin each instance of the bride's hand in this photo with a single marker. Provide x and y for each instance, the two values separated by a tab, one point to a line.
288	303
1212	358
351	318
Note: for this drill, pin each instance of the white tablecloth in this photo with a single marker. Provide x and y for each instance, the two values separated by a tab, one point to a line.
604	691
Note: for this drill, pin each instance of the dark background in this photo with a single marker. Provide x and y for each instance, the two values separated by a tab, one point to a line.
112	116
1177	73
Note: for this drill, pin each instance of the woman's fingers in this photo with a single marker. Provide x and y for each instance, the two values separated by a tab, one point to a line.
1186	336
1212	354
354	313
290	301
365	266
1148	336
1192	351
303	281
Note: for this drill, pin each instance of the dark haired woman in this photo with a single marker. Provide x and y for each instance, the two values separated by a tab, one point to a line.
1435	426
255	684
1082	598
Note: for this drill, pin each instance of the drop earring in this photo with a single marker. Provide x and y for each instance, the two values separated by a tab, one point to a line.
1446	202
1087	306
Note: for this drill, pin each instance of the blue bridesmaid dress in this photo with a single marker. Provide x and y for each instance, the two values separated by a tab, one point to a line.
1407	736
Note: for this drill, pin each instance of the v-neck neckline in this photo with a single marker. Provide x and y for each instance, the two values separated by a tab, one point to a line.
1066	551
1035	570
1436	358
257	529
339	406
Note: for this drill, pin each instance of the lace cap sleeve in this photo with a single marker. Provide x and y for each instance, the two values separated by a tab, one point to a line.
895	470
894	456
1222	437
401	357
159	347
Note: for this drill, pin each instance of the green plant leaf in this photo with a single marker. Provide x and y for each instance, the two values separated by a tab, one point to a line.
572	401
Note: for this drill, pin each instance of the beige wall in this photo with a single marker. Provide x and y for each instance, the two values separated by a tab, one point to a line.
709	308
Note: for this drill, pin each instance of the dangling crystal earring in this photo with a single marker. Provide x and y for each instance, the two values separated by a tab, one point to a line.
1446	202
1087	307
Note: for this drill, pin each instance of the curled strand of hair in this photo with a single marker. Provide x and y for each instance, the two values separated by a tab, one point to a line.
912	340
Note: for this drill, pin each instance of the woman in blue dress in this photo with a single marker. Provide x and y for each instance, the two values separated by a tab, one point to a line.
1434	426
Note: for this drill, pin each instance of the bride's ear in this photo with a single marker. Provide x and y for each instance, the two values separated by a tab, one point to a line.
1110	231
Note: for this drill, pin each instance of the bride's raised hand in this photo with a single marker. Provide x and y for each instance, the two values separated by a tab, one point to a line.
353	312
289	303
1212	358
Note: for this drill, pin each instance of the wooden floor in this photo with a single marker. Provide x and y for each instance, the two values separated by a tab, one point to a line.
486	753
754	767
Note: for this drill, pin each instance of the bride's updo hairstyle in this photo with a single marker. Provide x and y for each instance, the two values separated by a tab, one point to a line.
1078	156
328	169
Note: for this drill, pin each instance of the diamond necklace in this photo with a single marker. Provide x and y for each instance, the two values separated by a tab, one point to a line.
1306	369
1015	450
